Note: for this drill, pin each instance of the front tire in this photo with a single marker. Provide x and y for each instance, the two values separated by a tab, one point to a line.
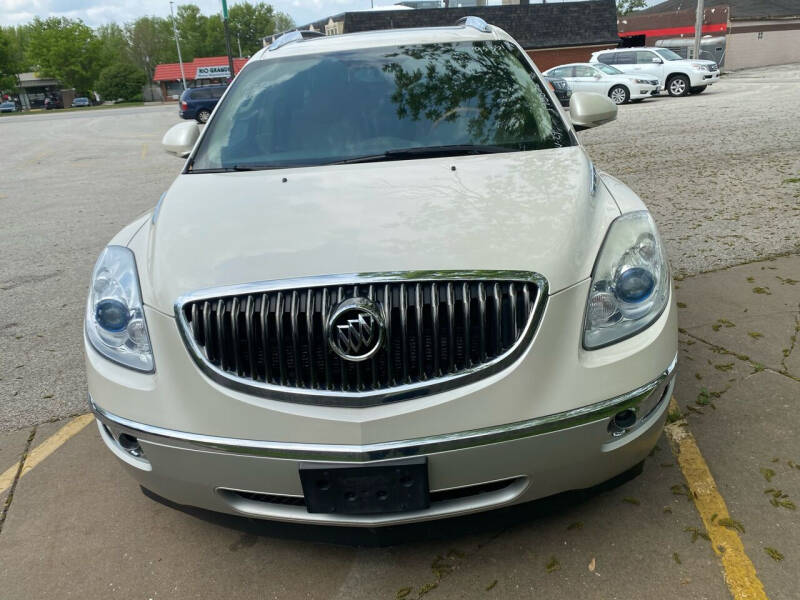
678	85
203	115
619	94
699	89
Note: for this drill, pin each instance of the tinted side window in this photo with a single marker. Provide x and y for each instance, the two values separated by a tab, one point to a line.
645	58
609	58
201	94
584	71
625	58
562	72
216	93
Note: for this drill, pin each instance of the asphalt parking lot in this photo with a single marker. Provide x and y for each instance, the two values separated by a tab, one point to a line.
720	173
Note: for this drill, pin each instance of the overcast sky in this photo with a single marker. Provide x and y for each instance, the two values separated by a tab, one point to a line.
98	12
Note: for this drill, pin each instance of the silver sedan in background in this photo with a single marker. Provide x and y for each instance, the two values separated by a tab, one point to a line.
606	80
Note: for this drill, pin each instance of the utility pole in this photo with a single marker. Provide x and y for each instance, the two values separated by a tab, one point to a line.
239	43
698	28
227	36
178	44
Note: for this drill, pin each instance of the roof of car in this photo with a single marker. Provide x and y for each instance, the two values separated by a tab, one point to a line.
626	49
377	39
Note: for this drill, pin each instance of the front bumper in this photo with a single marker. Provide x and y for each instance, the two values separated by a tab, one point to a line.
539	427
469	471
642	90
701	78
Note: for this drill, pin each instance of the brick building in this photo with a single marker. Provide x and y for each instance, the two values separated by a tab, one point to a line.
736	33
552	33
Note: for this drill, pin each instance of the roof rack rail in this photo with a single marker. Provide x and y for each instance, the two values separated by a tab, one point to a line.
475	23
294	36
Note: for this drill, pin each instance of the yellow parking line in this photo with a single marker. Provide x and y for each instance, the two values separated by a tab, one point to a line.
144	151
740	574
45	449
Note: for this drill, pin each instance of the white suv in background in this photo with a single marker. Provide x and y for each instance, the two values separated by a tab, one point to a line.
606	80
679	76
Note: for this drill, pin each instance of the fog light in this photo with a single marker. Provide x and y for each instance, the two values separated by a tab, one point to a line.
622	422
130	444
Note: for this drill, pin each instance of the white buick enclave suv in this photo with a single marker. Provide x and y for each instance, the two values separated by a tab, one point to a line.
387	286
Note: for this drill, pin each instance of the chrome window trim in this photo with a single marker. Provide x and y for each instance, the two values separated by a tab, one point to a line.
369	398
395	449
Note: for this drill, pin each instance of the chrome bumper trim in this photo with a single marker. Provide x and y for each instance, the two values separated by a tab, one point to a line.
388	450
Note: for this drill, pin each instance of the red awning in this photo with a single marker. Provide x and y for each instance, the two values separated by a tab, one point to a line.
172	71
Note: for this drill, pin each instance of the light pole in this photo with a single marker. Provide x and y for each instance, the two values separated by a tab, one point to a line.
227	36
178	44
698	29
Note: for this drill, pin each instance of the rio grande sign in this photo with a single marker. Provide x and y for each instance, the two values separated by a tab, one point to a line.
221	72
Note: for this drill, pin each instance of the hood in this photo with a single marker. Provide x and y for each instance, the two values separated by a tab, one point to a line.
689	61
518	211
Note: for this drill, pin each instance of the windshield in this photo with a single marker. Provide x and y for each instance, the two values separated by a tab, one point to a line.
607	69
669	54
326	108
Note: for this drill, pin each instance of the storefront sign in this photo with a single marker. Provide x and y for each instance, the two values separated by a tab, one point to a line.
222	72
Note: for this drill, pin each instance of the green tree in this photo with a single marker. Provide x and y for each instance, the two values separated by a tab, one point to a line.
249	23
67	50
7	67
122	80
625	7
113	44
283	22
150	42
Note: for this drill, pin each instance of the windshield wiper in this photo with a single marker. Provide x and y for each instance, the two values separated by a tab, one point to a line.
426	152
242	167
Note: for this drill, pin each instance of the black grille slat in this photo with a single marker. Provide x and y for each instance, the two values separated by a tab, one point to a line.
433	329
265	337
279	342
310	335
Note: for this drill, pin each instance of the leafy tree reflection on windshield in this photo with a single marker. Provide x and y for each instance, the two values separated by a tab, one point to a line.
484	82
374	104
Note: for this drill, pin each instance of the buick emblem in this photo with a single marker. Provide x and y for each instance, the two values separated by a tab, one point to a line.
355	329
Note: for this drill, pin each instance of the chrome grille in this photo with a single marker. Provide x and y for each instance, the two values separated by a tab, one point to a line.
441	329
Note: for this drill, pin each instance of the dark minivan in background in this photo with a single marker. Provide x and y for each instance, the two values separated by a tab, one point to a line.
197	103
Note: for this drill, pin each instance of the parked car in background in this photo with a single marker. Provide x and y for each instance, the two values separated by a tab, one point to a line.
8	106
606	80
561	88
78	102
52	102
384	289
198	103
679	76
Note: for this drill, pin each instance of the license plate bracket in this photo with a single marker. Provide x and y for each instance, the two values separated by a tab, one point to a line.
355	490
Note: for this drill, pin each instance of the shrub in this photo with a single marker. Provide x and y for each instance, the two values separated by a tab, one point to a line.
122	80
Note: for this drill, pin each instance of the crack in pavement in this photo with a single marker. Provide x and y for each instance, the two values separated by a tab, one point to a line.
787	352
20	465
742	357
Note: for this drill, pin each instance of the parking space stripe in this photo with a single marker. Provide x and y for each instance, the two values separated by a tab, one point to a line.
43	450
740	574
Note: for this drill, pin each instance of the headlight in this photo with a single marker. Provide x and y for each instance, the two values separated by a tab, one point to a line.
643	81
630	282
700	67
115	322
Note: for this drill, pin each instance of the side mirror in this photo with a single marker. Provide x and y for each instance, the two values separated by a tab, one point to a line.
658	61
587	110
181	138
598	76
